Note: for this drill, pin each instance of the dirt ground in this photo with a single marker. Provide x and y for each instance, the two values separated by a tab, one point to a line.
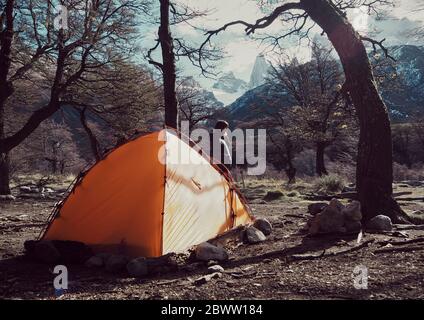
391	275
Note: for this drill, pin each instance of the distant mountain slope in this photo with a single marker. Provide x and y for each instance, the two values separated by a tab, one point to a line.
254	103
230	84
409	100
402	104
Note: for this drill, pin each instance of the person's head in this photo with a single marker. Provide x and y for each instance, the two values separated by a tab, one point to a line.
221	125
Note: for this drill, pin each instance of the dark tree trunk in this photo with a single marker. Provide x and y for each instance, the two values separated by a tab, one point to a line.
95	147
38	116
319	160
374	174
291	174
168	67
290	170
4	160
6	89
4	174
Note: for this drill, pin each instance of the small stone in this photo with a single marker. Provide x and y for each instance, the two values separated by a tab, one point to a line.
25	189
380	223
207	278
349	189
206	251
212	262
263	225
138	267
253	235
273	195
116	263
353	211
315	208
94	262
215	268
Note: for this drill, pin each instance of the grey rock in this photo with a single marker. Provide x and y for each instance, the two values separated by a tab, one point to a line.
206	251
353	211
47	190
331	219
253	235
273	195
46	252
315	208
215	268
94	262
162	264
336	204
380	223
116	263
263	225
138	267
353	226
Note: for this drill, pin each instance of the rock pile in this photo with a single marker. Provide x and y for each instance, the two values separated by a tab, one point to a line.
335	217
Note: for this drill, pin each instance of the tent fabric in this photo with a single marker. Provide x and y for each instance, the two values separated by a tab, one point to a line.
150	196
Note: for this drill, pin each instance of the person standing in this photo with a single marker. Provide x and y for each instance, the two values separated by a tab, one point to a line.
219	137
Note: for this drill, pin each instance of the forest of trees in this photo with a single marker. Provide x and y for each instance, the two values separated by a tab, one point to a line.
69	92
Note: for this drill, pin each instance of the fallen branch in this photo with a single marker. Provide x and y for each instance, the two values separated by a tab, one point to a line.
409	227
401	243
344	195
354	196
410	199
402	249
292	253
331	254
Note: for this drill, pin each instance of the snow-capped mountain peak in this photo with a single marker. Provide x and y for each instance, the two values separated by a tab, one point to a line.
259	72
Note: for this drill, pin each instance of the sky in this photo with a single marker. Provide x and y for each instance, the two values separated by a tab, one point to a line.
241	50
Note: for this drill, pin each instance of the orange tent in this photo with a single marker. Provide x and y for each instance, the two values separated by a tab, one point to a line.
150	196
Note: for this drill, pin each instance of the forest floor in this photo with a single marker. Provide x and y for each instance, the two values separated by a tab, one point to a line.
248	274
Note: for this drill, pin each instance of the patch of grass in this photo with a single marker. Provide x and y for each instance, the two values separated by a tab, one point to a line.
331	183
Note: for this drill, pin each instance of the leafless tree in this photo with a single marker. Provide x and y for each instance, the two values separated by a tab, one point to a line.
96	34
175	48
375	157
321	114
195	104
